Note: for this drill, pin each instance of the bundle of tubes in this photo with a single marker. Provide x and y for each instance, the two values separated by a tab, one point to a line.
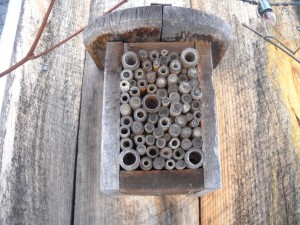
160	111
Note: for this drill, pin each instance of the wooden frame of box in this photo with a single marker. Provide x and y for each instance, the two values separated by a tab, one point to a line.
106	41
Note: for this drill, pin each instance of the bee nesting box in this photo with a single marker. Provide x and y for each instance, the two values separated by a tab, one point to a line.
159	128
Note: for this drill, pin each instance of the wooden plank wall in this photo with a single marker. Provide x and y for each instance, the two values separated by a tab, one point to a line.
39	122
259	136
91	206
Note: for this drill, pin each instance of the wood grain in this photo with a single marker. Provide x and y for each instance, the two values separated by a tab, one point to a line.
110	145
39	122
260	157
211	146
93	207
169	182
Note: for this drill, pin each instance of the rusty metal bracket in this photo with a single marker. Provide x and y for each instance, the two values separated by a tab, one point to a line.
273	40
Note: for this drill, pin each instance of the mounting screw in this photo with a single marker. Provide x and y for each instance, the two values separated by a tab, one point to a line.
45	68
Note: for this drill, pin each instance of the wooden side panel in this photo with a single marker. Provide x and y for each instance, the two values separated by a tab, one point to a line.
211	149
155	182
110	147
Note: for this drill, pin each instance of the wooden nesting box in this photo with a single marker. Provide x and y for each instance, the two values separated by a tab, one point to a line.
156	28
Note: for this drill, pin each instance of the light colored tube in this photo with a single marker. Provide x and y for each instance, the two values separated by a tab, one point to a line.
189	57
159	163
124	86
134	91
129	159
178	154
163	71
151	103
153	55
180	165
126	75
135	102
147	65
146	163
166	153
124	131
174	143
130	60
164	123
194	158
140	115
126	143
124	98
175	66
125	110
139	139
170	164
161	82
141	149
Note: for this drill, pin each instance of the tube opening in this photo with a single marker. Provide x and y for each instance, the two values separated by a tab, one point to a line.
129	159
190	57
151	102
195	157
130	60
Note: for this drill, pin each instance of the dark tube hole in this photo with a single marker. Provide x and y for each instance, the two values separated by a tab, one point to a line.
173	57
175	66
195	157
198	115
126	144
134	91
139	139
124	131
126	74
152	102
146	163
189	57
196	105
130	60
124	98
129	159
126	121
154	56
174	143
140	115
142	84
177	154
123	84
152	152
164	123
170	163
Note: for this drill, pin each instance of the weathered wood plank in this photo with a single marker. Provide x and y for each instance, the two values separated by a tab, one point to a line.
184	24
259	142
171	46
131	25
211	148
110	146
93	207
156	182
39	121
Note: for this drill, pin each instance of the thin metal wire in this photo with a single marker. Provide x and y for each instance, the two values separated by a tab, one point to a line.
281	45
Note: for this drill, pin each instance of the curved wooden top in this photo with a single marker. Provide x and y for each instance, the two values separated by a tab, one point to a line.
157	23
